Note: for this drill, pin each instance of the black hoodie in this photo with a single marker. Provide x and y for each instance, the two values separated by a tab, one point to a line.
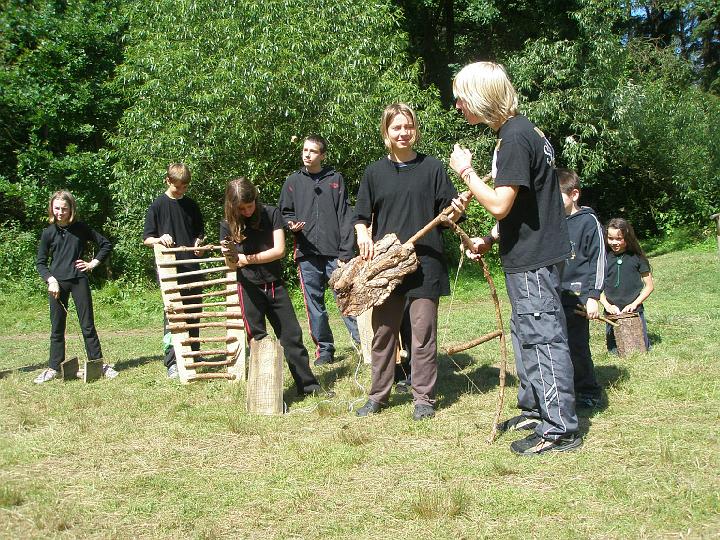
584	272
322	203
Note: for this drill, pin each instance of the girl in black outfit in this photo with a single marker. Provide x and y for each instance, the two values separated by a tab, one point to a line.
253	240
65	238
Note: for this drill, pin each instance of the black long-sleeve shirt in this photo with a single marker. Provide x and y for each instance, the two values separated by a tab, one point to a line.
67	245
321	201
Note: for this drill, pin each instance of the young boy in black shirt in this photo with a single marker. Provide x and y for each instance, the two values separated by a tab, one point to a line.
175	220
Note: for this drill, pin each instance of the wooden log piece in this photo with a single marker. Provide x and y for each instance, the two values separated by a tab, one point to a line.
209	352
69	369
93	370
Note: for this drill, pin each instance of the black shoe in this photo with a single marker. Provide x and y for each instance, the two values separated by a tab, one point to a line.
317	390
534	444
587	401
423	411
324	360
371	407
518	422
403	387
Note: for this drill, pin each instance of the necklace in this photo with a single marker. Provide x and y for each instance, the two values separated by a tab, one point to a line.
619	265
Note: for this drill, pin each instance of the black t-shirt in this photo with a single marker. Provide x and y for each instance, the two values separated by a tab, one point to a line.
534	233
623	280
67	245
402	199
257	240
181	219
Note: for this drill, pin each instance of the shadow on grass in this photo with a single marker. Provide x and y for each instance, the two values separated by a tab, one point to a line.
454	381
22	369
137	362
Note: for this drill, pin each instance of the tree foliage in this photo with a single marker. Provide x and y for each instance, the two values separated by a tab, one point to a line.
225	86
55	112
99	96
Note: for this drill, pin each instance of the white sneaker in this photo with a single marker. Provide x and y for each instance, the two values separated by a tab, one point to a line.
47	375
173	372
109	372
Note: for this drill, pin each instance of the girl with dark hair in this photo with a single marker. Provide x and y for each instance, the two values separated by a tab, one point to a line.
628	281
253	241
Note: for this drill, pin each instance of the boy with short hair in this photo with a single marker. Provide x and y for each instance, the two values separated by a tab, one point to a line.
582	283
314	206
175	220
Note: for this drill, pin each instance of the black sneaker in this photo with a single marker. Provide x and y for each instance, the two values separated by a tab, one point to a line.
518	422
371	407
324	360
316	390
423	411
534	444
586	401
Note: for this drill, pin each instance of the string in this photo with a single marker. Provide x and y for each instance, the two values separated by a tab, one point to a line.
447	320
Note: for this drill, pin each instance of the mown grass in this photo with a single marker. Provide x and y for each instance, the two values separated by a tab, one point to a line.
143	457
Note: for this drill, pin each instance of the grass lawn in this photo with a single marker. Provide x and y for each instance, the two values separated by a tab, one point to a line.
143	457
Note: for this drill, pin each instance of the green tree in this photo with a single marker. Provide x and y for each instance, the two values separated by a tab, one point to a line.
55	112
225	86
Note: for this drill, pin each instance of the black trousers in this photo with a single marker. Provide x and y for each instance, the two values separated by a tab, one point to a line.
80	290
578	328
271	301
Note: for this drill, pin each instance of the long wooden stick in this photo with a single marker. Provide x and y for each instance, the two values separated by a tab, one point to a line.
465	195
473	342
582	311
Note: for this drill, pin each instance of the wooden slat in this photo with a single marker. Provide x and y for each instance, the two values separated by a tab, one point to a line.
185	249
222	292
209	352
198	284
183	308
210	363
215	339
204	315
198	376
182	326
201	272
183	262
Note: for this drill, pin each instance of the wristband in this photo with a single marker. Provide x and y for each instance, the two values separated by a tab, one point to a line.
464	170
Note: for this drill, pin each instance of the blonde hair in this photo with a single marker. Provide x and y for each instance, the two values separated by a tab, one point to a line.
390	112
66	196
178	173
487	92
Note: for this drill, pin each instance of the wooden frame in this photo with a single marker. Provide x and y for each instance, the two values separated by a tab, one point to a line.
224	294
